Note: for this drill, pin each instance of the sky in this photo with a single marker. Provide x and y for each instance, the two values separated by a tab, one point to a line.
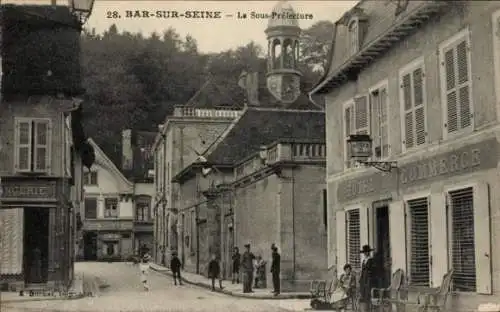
212	35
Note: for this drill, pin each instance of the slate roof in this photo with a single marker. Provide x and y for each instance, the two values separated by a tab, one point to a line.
263	126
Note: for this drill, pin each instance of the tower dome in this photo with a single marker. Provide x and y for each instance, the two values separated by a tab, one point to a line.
282	16
283	35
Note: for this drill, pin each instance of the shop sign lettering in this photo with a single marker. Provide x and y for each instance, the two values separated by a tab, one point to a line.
477	156
28	191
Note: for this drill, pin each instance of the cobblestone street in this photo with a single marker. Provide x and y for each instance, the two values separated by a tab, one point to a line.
125	293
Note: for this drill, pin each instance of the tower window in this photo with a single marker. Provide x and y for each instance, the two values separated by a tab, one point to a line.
276	53
288	54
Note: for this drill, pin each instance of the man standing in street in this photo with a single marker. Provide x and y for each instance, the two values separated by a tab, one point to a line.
275	269
247	268
175	266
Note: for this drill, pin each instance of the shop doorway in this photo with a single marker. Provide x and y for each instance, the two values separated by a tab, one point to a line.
90	246
382	245
36	245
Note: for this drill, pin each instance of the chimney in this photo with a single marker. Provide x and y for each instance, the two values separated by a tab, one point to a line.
253	88
127	152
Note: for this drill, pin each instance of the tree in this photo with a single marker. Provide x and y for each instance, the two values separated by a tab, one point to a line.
315	45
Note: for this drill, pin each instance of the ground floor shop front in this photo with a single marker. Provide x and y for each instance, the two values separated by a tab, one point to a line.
436	212
35	234
107	246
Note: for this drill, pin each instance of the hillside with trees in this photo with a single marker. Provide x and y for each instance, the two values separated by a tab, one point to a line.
133	81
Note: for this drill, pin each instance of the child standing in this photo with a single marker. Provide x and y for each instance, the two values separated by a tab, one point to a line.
214	272
144	268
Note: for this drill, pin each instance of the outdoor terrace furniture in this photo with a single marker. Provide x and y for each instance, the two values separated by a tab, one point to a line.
381	297
433	300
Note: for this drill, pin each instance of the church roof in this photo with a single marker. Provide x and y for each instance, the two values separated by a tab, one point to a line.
283	8
262	126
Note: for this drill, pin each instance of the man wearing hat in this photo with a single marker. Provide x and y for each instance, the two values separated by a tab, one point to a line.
175	266
367	279
247	268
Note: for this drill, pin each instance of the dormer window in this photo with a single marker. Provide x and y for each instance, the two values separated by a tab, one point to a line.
353	27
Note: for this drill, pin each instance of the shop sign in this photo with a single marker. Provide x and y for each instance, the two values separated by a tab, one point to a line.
479	156
22	191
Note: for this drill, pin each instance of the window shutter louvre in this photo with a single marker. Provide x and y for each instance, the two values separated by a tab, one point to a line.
439	238
348	127
464	85
361	115
451	94
23	145
482	236
384	128
419	106
419	271
397	226
353	238
341	240
408	141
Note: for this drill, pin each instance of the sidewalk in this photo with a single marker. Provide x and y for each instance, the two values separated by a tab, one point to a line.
82	286
235	290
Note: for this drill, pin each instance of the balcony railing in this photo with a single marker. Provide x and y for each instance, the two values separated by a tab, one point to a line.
186	111
301	152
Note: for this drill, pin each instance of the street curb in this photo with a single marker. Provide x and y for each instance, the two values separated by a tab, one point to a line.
234	294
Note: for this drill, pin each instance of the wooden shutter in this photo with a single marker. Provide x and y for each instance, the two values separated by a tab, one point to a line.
353	238
23	149
419	250
439	238
482	236
361	115
379	123
397	226
41	157
414	108
384	123
457	86
363	225
419	106
341	241
348	130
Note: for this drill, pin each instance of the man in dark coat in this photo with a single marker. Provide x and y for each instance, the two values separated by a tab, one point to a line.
175	266
236	265
275	269
247	267
367	279
214	272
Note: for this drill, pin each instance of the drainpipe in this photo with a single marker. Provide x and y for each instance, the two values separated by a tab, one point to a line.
293	226
197	239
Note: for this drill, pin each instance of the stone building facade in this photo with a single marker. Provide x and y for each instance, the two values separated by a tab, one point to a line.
183	136
43	152
116	216
423	82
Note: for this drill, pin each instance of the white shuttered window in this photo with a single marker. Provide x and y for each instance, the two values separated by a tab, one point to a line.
33	139
353	238
380	128
470	238
413	105
419	272
356	121
456	83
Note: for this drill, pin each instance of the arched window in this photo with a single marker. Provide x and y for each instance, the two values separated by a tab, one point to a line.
276	53
354	36
296	50
288	54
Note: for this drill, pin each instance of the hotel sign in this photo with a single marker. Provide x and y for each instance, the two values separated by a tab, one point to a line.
28	190
474	157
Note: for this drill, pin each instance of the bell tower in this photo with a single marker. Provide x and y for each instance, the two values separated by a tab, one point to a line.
283	75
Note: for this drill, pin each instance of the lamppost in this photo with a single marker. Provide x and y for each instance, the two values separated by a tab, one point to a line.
81	9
